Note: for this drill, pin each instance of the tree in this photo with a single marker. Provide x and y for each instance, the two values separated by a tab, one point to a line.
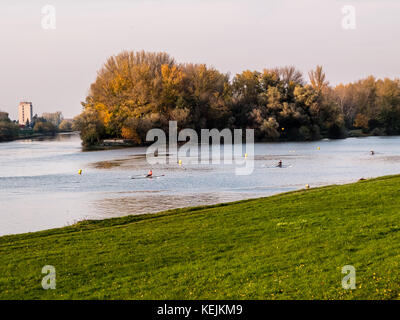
135	92
289	75
4	116
133	85
346	99
376	100
66	125
390	119
55	118
44	127
207	94
318	79
361	121
8	129
271	128
91	127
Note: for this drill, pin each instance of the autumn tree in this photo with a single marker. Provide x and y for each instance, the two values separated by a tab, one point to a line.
318	79
371	104
137	91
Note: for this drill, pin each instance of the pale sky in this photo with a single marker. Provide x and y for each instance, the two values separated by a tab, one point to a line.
54	68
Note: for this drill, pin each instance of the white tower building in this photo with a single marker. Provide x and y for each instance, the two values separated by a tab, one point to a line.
25	112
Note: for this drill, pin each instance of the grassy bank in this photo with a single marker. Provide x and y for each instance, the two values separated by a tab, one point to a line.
283	247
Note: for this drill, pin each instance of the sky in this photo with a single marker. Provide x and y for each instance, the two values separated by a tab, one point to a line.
54	67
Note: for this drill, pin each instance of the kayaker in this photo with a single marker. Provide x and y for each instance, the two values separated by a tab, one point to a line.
279	164
149	174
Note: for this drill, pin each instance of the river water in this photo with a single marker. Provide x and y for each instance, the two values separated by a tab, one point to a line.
40	187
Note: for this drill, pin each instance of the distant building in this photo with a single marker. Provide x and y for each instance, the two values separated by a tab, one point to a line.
55	118
25	113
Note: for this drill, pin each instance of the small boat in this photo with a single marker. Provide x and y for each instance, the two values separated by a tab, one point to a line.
147	177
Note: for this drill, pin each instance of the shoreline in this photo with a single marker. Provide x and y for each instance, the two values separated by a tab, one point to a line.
228	251
38	136
150	215
123	145
117	143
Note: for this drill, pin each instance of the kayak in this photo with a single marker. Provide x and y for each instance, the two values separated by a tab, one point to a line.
147	177
278	167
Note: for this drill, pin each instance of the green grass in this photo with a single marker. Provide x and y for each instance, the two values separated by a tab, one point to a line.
289	246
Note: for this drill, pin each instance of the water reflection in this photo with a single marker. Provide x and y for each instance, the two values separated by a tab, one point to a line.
156	201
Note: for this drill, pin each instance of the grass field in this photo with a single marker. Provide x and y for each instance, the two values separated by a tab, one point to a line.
289	246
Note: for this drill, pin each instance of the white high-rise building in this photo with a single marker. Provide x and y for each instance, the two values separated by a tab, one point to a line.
25	112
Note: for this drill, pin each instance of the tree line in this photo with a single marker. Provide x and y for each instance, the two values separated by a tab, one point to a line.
47	124
372	105
134	92
51	123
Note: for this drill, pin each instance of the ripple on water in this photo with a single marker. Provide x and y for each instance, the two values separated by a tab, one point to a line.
40	187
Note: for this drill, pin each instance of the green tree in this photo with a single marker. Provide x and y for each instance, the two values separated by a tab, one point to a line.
66	125
91	126
55	118
44	127
8	129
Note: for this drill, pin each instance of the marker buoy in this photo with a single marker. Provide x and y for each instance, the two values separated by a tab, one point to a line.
180	162
318	148
245	155
80	171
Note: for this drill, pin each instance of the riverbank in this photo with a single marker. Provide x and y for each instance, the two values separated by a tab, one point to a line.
289	246
111	144
117	143
27	136
34	136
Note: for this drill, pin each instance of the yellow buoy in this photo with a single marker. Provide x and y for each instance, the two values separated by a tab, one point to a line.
307	186
318	148
180	162
245	155
80	171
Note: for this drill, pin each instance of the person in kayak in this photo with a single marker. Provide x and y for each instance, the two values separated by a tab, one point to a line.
279	164
149	174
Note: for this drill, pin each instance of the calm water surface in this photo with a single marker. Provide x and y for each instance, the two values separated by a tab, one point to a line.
40	187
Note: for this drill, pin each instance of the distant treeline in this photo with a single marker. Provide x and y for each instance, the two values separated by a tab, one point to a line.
135	92
47	124
51	123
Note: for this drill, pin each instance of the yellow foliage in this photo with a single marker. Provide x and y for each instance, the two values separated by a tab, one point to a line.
171	76
361	121
104	113
129	133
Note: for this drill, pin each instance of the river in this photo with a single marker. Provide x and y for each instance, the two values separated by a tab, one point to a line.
40	187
